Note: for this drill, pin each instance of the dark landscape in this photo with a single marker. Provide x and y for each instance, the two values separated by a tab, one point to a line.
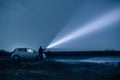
59	39
56	70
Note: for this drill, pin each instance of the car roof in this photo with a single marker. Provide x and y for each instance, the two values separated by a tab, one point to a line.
22	48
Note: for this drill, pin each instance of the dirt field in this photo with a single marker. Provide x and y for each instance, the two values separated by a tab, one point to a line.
51	70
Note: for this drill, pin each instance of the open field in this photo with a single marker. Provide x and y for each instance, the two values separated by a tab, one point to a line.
56	70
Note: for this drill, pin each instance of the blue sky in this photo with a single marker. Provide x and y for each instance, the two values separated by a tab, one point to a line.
31	23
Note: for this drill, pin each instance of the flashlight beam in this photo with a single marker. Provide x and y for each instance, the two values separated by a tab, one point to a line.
94	25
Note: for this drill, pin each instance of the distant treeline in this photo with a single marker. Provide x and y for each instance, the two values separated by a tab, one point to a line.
83	53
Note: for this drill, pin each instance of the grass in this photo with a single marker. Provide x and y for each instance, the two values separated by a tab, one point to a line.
51	70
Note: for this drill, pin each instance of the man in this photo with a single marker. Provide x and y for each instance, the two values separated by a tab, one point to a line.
41	54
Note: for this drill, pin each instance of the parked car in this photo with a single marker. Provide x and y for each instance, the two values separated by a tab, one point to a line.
25	54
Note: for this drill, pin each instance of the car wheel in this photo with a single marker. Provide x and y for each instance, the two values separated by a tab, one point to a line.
16	59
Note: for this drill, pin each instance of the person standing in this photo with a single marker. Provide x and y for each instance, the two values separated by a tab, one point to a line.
41	54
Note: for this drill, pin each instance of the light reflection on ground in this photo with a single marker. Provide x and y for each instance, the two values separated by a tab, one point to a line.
91	60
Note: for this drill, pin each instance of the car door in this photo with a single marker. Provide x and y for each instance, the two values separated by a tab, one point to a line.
23	53
31	53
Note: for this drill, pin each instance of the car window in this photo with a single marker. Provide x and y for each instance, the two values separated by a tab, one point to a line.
30	50
22	50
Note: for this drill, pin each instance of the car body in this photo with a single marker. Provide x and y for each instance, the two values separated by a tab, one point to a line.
25	54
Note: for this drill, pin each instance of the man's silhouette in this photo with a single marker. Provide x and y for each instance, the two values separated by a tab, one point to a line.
40	50
41	54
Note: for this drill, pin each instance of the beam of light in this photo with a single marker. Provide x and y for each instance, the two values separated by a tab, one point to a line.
98	23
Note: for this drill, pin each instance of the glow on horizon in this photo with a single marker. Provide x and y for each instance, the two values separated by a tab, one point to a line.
96	24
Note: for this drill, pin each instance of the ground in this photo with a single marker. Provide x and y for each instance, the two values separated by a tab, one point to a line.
52	70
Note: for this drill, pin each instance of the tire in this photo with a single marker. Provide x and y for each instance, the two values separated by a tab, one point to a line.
16	59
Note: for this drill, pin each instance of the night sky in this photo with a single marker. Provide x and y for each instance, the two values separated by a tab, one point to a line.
31	23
